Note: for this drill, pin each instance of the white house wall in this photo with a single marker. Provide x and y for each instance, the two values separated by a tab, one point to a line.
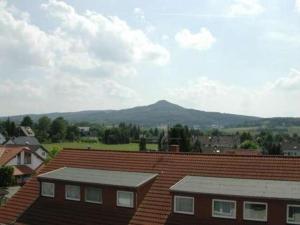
42	153
35	161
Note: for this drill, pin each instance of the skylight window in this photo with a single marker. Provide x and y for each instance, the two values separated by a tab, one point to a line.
224	209
293	214
125	199
72	192
184	204
48	189
256	211
93	195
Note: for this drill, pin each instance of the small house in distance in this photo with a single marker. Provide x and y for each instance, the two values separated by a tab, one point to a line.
219	144
290	148
2	139
25	131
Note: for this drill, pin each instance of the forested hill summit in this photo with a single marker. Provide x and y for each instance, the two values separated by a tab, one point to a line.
157	114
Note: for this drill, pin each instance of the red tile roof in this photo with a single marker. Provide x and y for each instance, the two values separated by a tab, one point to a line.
26	208
22	170
8	153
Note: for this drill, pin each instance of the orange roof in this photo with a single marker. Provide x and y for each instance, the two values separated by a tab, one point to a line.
8	153
26	208
22	170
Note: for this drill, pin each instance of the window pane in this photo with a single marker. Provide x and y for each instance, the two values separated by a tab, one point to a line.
125	198
224	208
184	204
255	211
93	194
294	214
47	189
72	192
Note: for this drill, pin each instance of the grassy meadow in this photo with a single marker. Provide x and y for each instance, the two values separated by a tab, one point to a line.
98	146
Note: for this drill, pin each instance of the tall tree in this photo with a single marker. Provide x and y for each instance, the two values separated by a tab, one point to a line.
179	135
73	133
143	144
43	128
58	129
27	122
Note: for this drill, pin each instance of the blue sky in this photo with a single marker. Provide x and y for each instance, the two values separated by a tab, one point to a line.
234	56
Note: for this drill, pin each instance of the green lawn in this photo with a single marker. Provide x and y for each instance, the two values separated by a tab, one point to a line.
98	146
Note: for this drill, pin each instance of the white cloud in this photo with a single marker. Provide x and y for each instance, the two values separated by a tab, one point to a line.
84	41
61	92
200	41
277	98
80	64
297	5
245	8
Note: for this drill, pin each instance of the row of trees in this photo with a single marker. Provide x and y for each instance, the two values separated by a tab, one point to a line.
45	129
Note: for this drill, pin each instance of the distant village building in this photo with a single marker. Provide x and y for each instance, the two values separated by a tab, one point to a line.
290	148
24	160
219	144
25	131
85	131
23	140
2	139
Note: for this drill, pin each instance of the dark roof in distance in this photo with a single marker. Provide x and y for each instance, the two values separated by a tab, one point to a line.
103	177
22	140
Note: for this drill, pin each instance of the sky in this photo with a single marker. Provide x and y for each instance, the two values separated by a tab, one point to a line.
233	56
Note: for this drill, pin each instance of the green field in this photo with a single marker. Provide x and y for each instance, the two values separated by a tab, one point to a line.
98	146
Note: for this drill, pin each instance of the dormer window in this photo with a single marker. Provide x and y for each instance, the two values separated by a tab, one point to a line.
27	158
125	199
224	208
72	192
92	185
93	195
184	204
48	189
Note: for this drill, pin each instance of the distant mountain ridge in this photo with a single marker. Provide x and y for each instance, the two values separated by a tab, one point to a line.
158	114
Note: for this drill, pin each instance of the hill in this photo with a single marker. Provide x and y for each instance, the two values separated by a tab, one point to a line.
158	114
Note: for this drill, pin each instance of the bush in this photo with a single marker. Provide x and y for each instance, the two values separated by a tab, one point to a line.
6	176
248	145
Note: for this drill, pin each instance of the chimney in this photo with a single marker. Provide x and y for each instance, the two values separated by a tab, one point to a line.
174	148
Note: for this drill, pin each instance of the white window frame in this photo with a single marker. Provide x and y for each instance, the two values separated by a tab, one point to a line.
223	216
85	195
253	219
287	213
183	212
126	206
73	199
46	195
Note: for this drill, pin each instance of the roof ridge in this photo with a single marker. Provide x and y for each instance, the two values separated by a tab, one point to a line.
180	153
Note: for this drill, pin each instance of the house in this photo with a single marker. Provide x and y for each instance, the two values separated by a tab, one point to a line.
25	131
23	140
217	144
84	131
81	187
30	142
290	148
2	139
24	161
